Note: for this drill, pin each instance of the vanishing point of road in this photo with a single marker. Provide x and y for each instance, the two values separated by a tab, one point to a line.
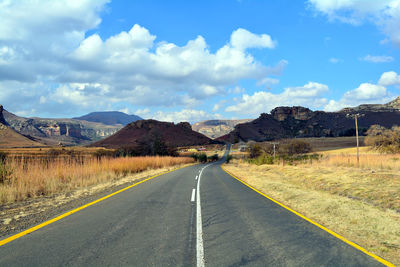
194	216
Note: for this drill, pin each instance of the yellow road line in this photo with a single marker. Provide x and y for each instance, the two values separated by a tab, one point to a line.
30	230
383	261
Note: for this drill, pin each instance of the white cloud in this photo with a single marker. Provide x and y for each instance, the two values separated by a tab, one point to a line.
377	59
384	13
308	95
389	78
366	93
189	115
243	39
268	82
46	47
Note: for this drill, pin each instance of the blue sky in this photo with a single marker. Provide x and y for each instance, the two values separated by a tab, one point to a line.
196	60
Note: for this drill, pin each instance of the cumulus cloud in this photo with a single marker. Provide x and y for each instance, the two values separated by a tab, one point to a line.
47	46
309	95
189	115
389	78
384	13
377	59
366	93
243	39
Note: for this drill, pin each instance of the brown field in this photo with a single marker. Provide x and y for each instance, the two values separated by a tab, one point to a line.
28	176
362	204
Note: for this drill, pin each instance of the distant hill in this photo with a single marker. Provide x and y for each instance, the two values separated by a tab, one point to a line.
146	131
11	139
216	128
292	122
55	131
110	117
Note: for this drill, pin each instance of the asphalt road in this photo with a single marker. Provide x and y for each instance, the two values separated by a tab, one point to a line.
157	223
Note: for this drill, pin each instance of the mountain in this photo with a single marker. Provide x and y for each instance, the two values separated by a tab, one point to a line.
216	128
291	122
11	139
56	131
388	107
143	132
110	117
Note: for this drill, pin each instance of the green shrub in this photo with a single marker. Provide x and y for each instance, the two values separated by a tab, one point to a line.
228	158
214	157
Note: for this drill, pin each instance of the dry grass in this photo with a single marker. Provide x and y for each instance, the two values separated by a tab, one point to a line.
31	177
362	204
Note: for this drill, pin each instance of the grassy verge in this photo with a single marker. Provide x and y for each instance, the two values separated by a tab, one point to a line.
361	204
24	178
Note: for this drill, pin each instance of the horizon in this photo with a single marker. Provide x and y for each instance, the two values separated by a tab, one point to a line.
196	61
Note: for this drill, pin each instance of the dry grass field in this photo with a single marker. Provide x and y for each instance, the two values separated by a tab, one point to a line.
362	204
23	177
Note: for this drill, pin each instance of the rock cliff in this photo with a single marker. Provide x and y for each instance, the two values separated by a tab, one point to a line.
291	122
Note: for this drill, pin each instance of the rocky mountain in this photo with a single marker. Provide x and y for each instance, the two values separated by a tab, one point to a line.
216	128
290	122
142	132
110	118
56	131
388	107
11	139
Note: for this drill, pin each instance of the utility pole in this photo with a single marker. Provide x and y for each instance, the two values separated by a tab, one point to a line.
358	155
356	116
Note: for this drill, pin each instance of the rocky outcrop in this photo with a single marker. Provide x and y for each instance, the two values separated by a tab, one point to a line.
53	131
2	120
291	122
297	113
392	106
216	128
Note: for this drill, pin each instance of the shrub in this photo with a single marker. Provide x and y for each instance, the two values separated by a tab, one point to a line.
384	140
214	157
295	147
228	158
263	159
255	150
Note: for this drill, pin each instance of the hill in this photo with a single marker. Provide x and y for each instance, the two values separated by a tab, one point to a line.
216	128
109	117
55	131
10	138
293	122
144	132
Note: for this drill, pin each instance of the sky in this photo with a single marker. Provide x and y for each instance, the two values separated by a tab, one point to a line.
196	60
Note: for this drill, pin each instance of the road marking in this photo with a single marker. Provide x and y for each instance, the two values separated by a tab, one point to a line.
383	261
197	177
199	226
193	195
32	229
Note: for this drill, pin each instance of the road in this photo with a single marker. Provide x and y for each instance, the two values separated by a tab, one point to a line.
158	223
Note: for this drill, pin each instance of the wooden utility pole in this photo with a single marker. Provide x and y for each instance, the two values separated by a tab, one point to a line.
358	155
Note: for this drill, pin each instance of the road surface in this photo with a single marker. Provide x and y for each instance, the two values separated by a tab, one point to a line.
161	223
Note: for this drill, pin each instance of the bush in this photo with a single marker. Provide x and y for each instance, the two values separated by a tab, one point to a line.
295	147
228	158
383	139
255	151
214	157
263	159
